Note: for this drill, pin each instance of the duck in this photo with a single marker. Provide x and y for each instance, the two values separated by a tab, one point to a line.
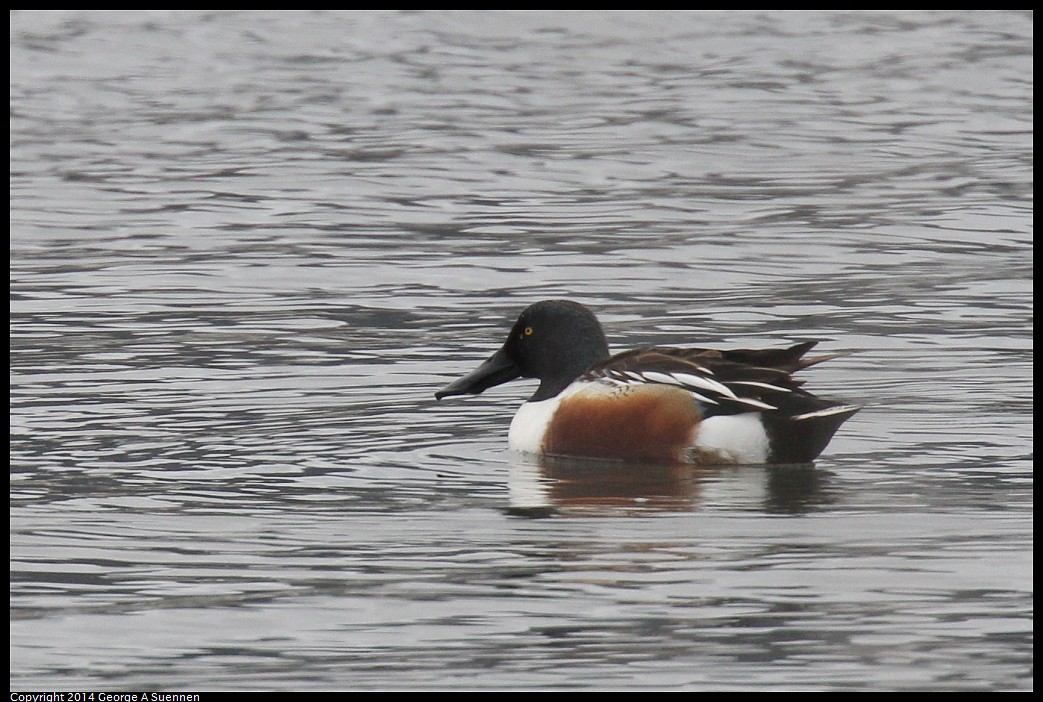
654	403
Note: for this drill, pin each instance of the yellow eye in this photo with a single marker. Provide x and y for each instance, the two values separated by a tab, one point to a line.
528	331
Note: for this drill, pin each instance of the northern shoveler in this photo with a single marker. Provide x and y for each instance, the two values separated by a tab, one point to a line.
655	403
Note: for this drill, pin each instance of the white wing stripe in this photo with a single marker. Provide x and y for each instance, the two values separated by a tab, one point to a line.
664	378
705	383
755	403
825	412
703	398
690	381
766	386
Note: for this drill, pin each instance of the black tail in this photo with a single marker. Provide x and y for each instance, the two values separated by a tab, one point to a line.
800	438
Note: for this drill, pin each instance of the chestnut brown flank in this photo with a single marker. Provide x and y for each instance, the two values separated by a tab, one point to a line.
641	421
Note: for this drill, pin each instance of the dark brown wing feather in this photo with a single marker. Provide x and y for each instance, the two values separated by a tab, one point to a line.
724	381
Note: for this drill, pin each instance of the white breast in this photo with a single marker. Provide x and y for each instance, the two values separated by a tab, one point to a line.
530	425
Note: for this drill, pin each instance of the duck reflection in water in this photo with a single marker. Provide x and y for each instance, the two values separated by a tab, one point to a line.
545	485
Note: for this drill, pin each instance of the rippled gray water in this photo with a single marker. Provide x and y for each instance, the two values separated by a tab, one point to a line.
247	247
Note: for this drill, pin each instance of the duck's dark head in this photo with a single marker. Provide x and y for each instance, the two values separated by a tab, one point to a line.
555	341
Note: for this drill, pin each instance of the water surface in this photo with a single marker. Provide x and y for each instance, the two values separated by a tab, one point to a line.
246	248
